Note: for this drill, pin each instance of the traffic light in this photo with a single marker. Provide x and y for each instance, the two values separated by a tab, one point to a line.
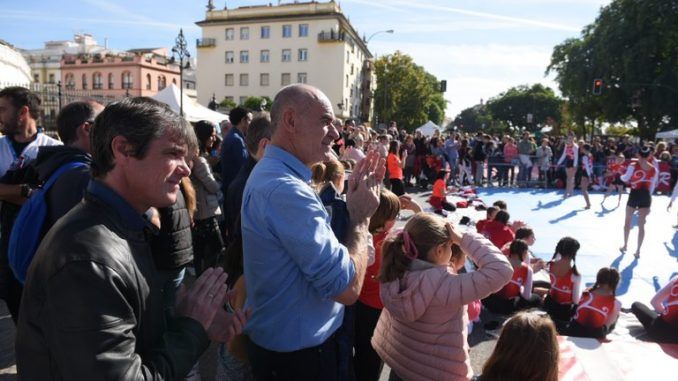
597	86
443	86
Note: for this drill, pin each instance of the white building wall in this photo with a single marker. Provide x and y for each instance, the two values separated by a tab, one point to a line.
13	67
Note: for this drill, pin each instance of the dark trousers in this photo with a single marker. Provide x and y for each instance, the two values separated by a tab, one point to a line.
208	245
658	329
317	363
577	330
368	364
559	312
345	337
397	187
10	288
503	306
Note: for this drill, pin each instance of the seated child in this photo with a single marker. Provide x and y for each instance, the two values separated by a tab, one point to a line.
517	293
662	326
564	294
438	198
497	230
489	216
598	308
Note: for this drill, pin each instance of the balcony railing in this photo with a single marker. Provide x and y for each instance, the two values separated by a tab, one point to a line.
331	36
206	42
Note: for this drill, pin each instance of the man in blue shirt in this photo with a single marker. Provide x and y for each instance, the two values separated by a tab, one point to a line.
233	150
299	277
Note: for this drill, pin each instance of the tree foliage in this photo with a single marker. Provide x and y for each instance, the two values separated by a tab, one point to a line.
633	47
526	107
406	93
255	103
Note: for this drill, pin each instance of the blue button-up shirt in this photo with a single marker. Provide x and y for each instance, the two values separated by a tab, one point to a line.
135	221
294	265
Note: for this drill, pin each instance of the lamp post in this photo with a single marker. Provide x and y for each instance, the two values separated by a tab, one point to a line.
389	31
180	51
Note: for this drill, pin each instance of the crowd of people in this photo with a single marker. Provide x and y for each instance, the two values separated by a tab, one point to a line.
288	233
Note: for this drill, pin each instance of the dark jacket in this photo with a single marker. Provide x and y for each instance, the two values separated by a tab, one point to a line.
92	306
338	211
172	247
233	199
69	189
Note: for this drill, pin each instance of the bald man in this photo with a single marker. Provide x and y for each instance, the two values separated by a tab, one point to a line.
299	277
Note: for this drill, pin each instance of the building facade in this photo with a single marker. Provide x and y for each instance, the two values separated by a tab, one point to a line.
14	70
254	51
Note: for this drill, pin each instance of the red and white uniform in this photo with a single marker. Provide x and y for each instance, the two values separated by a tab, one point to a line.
639	178
666	302
587	164
616	168
595	310
565	289
520	283
571	152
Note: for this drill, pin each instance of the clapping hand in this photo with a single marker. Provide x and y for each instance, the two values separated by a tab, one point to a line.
406	202
205	298
362	198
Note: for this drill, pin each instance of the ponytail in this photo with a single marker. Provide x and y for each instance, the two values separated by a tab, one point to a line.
394	262
608	276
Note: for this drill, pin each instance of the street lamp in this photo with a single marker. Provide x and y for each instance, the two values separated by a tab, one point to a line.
180	51
390	31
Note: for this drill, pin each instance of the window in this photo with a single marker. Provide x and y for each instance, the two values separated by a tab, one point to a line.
352	68
244	79
229	98
127	80
265	56
186	84
162	82
70	81
287	31
303	30
84	81
346	80
230	34
148	81
303	54
36	78
97	83
351	92
266	31
286	55
301	77
348	56
229	57
111	82
245	33
229	80
285	79
51	78
244	56
242	100
263	79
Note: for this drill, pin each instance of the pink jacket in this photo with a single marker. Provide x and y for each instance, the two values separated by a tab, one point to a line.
421	333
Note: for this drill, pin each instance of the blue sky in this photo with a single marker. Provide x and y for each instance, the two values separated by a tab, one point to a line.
481	47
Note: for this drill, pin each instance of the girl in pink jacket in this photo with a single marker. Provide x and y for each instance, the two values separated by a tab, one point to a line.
421	333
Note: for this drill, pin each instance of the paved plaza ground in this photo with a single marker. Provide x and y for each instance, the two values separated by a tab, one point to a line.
598	229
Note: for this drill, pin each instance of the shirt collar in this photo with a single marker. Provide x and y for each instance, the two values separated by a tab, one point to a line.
289	160
133	219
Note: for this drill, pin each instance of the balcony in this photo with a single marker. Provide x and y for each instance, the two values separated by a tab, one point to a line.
206	42
331	36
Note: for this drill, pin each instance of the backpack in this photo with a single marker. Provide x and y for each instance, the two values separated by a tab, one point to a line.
26	232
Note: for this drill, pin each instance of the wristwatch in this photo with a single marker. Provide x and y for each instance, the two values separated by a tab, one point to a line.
26	190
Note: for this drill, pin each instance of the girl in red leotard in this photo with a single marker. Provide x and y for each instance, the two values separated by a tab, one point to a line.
598	308
641	176
662	325
564	294
615	168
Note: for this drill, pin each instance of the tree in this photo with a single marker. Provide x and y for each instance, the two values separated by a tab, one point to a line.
406	93
633	47
228	104
475	119
255	103
526	107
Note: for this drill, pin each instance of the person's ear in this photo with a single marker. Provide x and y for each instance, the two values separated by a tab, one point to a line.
289	119
121	149
85	129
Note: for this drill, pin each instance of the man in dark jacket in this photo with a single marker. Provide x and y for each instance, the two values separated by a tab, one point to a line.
92	305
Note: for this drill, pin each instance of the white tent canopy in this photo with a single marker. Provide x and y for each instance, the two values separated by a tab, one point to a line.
428	129
193	111
673	134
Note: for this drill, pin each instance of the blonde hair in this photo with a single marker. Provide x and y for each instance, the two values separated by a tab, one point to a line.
425	230
527	350
323	173
389	207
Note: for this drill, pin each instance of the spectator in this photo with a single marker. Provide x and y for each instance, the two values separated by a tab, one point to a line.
90	309
233	150
19	114
527	349
544	157
526	148
510	160
395	164
298	274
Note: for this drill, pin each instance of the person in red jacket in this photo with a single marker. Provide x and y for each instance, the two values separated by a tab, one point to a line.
497	230
598	308
490	213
